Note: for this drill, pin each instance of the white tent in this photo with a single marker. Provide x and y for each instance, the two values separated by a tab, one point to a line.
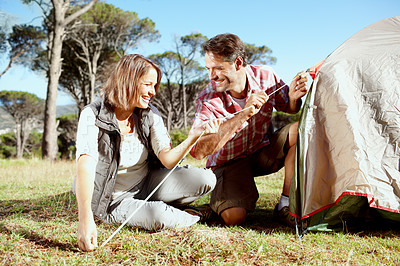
348	154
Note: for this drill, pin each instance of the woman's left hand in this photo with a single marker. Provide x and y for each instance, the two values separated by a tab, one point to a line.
212	126
170	157
209	127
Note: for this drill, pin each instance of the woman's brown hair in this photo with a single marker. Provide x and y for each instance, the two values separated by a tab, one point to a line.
120	90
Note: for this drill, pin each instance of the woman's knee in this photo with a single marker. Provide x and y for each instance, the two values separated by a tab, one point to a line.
154	216
162	216
209	179
205	178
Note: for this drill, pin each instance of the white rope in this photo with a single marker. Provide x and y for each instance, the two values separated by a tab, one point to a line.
165	178
276	90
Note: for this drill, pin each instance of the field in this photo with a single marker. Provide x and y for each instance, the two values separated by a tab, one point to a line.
38	223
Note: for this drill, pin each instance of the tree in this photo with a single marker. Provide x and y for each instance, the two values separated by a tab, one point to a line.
259	55
168	103
22	44
95	41
25	108
165	99
192	90
67	127
187	49
56	33
180	68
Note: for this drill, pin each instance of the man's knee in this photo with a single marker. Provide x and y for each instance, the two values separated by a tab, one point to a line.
293	132
234	216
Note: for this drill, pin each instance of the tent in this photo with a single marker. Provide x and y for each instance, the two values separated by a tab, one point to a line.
347	168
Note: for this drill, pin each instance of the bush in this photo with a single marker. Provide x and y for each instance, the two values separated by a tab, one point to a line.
8	145
178	136
280	119
34	145
67	127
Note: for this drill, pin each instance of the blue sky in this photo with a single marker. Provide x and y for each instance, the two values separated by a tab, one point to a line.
300	33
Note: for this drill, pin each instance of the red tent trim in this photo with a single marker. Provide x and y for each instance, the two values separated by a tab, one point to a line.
313	71
371	204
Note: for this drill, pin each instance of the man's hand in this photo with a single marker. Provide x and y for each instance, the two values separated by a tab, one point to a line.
87	235
213	142
255	102
298	87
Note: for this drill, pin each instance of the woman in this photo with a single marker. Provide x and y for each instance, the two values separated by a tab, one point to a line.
122	145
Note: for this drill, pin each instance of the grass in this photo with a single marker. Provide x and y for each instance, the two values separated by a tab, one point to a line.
38	223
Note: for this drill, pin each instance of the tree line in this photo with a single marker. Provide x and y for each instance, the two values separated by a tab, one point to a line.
78	44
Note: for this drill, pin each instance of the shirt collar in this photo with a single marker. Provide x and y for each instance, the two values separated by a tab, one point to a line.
252	84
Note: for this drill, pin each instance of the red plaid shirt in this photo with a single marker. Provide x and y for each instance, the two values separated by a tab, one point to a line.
254	133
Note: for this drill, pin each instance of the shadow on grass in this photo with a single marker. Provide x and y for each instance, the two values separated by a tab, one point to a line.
60	209
260	220
39	240
62	206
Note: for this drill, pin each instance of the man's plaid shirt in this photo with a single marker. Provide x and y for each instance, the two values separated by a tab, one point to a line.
254	133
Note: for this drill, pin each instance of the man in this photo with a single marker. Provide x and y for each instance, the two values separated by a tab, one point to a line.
245	145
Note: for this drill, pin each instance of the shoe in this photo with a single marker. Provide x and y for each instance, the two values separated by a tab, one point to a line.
283	216
203	211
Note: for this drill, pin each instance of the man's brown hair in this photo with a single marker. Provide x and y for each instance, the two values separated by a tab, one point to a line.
228	46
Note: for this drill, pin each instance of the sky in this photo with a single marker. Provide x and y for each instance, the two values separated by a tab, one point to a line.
299	33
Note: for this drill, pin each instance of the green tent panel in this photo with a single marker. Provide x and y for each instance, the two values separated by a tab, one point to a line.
347	168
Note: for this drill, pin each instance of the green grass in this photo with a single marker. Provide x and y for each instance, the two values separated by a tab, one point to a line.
38	224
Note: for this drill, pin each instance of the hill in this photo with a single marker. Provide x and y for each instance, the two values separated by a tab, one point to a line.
7	122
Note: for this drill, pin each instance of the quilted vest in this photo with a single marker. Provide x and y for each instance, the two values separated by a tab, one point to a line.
109	141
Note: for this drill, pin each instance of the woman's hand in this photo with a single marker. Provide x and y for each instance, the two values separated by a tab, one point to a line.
170	157
87	235
212	126
209	127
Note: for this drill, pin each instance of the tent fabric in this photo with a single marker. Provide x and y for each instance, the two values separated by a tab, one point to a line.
348	151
